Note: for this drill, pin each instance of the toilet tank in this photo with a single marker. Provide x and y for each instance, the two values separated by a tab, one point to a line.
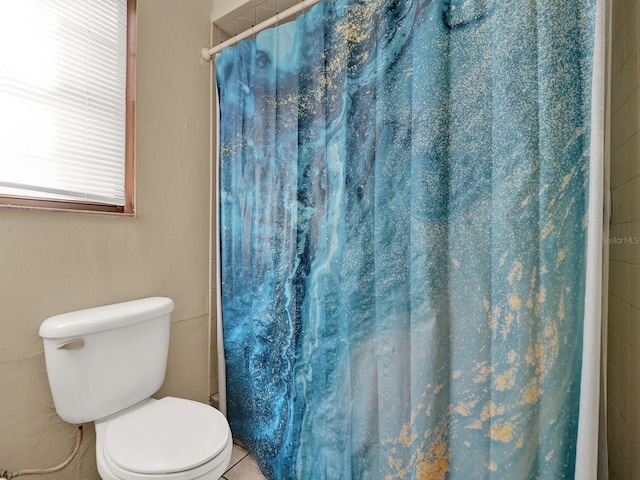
105	359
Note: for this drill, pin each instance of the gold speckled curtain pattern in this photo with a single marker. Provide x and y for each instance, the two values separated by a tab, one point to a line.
408	191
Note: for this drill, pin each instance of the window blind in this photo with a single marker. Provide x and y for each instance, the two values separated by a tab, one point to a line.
63	99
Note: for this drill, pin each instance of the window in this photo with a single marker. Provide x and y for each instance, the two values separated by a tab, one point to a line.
67	77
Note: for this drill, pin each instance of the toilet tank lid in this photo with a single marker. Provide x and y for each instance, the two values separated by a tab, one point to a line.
98	319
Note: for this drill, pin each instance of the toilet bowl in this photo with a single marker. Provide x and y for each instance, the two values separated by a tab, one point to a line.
171	438
103	365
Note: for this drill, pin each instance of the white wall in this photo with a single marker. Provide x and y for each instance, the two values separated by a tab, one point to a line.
56	262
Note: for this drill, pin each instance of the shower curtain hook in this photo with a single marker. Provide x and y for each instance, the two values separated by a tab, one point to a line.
255	21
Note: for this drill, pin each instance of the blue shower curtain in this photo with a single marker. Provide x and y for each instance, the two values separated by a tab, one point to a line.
403	223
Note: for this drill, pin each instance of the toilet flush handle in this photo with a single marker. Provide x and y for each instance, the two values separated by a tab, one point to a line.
75	344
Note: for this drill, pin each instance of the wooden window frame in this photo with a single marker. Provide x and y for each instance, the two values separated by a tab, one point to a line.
130	146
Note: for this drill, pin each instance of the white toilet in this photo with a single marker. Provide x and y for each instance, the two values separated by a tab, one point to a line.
103	365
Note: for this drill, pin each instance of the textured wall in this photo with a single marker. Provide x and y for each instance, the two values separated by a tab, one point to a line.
56	262
236	16
624	290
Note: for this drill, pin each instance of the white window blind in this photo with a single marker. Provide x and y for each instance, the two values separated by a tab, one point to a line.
63	99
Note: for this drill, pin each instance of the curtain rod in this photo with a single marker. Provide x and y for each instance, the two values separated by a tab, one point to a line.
208	53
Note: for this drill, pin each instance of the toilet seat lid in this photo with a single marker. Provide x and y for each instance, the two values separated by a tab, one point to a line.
167	436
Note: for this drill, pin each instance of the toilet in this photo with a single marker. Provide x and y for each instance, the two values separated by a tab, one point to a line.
103	366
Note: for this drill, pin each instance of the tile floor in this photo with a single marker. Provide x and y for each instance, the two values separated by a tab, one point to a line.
242	466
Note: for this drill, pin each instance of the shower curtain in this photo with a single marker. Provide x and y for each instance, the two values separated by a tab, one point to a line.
406	210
